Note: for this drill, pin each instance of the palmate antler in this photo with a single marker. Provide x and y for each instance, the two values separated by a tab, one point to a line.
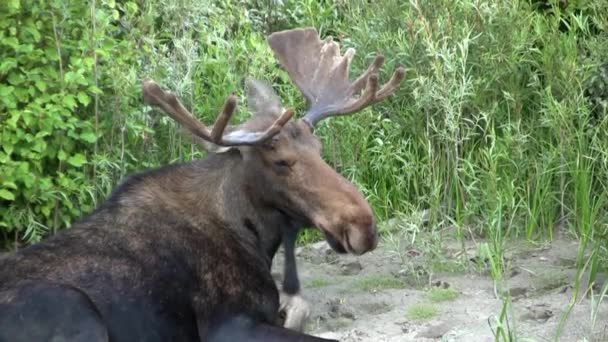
314	66
321	73
154	95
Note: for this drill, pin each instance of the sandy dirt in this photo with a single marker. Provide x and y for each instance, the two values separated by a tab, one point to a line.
387	295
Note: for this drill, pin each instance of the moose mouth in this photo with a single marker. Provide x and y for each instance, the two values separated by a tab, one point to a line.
334	243
352	240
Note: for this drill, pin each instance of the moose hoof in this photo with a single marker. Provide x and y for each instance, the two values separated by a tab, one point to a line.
295	310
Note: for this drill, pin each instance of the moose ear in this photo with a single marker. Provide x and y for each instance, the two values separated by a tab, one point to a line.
261	98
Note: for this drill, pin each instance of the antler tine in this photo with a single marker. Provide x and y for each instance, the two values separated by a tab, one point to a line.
368	96
373	68
168	102
391	86
222	120
316	67
154	95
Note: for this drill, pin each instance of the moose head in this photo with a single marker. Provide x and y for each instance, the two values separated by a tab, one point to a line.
282	157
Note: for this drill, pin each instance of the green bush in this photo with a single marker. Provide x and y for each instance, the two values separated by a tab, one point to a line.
46	94
499	126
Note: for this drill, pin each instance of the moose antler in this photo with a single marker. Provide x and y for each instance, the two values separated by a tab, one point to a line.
321	73
154	95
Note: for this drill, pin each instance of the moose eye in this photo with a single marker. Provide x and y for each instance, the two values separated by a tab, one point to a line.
282	163
283	166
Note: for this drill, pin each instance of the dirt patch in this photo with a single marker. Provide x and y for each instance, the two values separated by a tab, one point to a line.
389	297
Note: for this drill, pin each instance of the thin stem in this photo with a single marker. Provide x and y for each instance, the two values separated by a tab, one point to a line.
96	78
61	79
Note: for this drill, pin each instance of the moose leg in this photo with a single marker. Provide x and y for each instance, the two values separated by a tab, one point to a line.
48	312
291	282
292	305
246	330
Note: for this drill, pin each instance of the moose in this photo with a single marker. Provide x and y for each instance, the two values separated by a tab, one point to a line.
183	252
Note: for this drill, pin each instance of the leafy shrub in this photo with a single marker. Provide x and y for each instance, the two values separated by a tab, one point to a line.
48	133
502	102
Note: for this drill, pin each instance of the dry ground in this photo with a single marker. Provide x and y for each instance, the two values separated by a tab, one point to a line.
399	294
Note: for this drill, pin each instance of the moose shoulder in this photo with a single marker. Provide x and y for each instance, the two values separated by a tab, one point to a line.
183	252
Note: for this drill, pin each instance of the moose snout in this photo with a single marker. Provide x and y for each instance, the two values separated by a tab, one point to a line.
361	239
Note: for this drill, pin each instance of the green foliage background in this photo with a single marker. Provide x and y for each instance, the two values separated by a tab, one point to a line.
499	129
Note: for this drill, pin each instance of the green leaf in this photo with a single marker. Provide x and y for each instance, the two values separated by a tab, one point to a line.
89	137
46	210
61	155
10	41
15	78
95	90
69	101
77	160
7	195
131	7
32	30
83	98
12	121
7	64
6	90
40	85
8	184
14	5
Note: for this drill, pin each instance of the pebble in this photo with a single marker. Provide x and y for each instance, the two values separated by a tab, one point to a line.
350	268
435	331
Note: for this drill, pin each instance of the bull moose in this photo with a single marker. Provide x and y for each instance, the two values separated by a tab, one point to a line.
183	252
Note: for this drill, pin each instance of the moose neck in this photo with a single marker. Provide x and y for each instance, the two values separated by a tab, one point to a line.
235	202
248	211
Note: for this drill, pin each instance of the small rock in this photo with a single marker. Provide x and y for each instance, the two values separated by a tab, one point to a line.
321	252
539	312
479	261
442	284
435	331
337	310
405	326
299	250
402	273
514	272
518	292
413	253
348	314
321	247
543	259
350	268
